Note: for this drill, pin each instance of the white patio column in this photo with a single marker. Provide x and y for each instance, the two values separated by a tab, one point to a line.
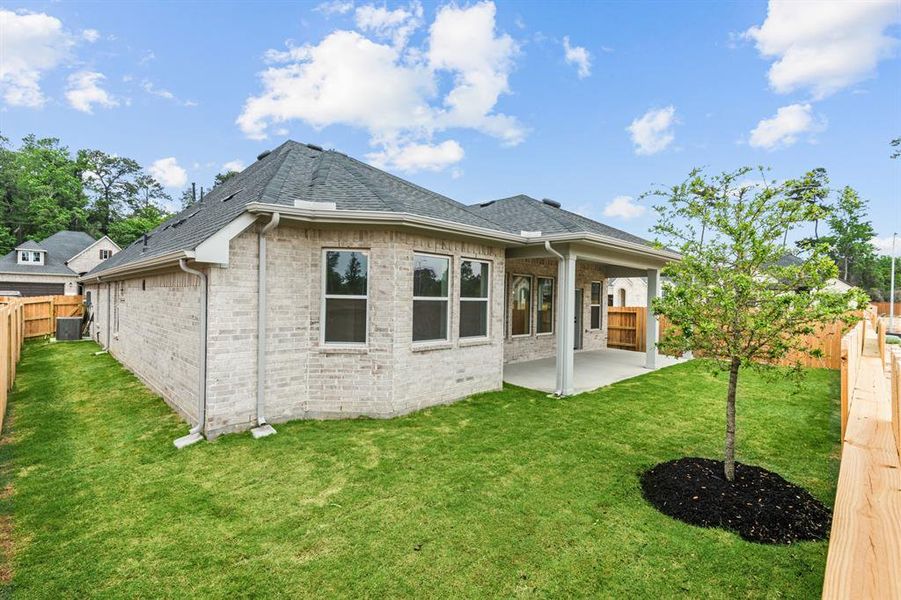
652	325
565	352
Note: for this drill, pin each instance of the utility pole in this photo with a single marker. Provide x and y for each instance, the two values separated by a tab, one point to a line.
891	310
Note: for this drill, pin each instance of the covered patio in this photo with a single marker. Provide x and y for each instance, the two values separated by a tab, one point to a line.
591	369
573	369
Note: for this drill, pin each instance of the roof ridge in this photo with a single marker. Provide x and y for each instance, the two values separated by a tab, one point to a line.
354	171
280	176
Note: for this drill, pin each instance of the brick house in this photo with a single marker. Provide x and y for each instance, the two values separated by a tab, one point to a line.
52	266
376	297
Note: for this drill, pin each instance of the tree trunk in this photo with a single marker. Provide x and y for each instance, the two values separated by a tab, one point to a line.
845	274
729	467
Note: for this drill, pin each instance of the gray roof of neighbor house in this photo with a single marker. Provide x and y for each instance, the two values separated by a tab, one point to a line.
60	247
524	213
30	245
307	173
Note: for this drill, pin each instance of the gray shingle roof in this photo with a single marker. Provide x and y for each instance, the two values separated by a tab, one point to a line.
60	247
30	245
524	213
295	171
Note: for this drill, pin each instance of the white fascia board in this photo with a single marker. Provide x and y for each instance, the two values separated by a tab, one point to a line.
156	262
215	248
367	217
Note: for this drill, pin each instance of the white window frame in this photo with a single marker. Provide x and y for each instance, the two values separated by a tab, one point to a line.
486	300
24	256
324	296
448	298
105	253
531	305
37	257
538	278
600	306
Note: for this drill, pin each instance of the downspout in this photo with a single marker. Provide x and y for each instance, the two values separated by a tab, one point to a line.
263	428
561	275
196	432
109	311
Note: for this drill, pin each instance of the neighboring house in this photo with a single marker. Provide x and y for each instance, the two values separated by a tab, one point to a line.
52	266
627	291
375	296
835	284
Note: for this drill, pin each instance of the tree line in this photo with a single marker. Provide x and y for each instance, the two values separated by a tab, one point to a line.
45	188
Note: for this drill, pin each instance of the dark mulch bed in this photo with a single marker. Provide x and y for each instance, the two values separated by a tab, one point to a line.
759	505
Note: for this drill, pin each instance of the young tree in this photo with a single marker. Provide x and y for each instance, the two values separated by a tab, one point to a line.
850	237
223	177
127	230
730	299
111	179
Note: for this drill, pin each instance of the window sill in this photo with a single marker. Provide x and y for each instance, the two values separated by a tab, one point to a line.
343	350
544	334
429	346
467	343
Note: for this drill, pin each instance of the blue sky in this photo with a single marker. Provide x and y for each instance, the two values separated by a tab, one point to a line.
586	103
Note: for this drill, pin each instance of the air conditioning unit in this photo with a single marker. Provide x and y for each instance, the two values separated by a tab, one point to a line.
68	329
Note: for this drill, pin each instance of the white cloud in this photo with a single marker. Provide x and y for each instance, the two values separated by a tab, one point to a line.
624	207
83	91
784	128
824	46
168	172
30	45
578	56
151	89
335	7
418	157
653	132
233	165
883	246
392	91
90	35
395	25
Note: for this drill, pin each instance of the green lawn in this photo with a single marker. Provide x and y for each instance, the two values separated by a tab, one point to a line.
505	494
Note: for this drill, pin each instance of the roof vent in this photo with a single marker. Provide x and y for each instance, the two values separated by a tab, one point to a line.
314	147
550	202
489	203
263	154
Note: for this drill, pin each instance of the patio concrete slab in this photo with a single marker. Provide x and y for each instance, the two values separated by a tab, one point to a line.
591	369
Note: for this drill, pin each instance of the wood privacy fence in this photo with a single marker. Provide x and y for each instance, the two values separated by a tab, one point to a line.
626	327
12	335
41	312
864	558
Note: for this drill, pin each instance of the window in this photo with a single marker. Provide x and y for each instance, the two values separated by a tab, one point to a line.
36	257
105	254
431	291
474	286
595	305
544	310
346	274
609	299
24	257
521	310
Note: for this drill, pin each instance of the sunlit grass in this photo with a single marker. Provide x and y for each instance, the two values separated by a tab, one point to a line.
504	494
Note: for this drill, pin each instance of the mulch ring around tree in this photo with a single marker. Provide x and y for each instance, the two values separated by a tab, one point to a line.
759	505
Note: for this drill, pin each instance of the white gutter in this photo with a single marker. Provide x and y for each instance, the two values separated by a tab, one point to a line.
262	429
196	433
154	262
373	217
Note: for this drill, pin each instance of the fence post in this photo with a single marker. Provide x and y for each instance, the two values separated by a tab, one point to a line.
845	392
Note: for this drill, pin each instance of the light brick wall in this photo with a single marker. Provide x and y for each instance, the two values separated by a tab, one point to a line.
635	290
535	345
152	325
90	257
304	378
